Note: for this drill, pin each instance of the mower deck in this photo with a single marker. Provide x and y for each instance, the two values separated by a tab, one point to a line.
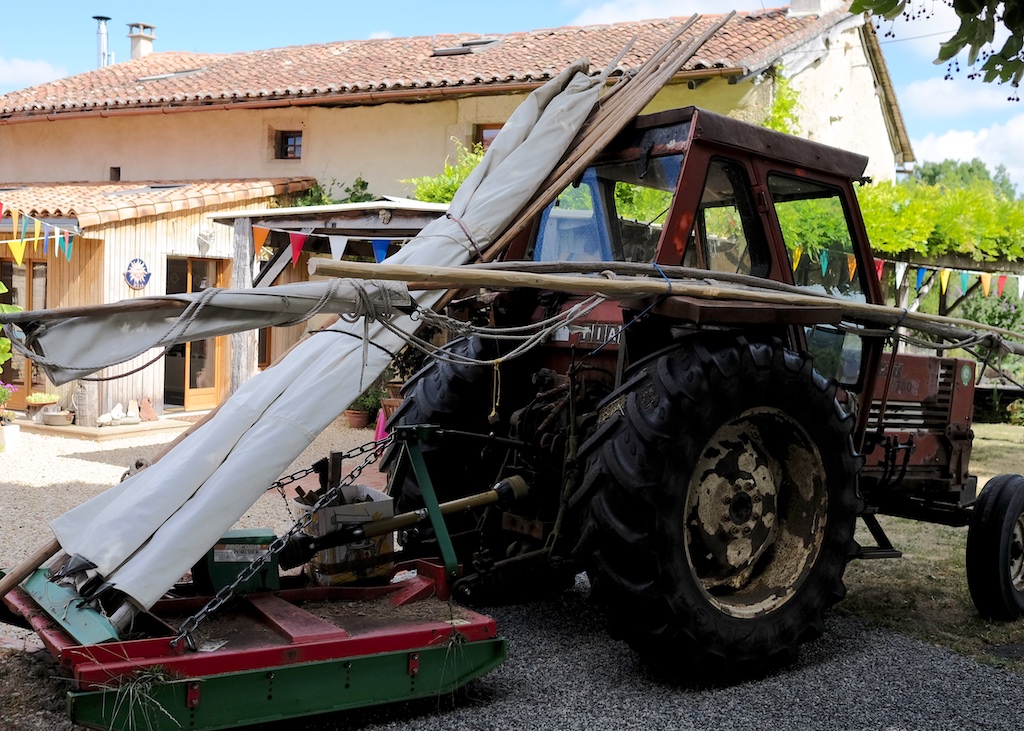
274	655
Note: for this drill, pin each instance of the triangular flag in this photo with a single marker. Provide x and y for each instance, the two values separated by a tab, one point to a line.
879	266
965	280
24	226
14	222
986	283
338	244
944	279
1	210
297	241
35	237
46	239
1001	285
1020	286
259	237
851	265
380	249
68	243
58	239
17	250
901	272
920	277
797	253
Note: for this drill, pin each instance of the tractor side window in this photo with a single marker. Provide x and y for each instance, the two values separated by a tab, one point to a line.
816	232
817	236
729	229
614	212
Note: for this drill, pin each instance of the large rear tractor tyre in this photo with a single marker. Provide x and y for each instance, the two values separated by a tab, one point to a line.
718	507
995	549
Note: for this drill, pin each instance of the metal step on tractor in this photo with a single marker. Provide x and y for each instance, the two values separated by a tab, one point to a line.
705	461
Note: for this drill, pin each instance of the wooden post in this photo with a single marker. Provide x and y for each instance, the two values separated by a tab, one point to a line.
243	344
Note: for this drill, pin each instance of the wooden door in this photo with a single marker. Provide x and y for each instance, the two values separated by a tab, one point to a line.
192	371
26	284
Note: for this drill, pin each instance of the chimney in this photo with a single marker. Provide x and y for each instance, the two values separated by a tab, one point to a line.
101	40
142	39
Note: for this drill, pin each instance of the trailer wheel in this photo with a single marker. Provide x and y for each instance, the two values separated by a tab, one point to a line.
718	507
995	549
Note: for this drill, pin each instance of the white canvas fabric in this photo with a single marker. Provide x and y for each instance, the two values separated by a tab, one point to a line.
145	533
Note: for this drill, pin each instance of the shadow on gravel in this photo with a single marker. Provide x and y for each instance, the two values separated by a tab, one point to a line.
117	457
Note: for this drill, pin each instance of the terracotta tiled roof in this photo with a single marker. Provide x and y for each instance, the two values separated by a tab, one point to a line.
345	71
94	204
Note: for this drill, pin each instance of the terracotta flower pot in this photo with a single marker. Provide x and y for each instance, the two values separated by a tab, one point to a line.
357	419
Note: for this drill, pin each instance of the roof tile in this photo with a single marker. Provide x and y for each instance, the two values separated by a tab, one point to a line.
750	41
97	203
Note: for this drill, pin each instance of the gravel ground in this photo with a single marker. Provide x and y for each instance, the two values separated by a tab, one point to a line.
563	671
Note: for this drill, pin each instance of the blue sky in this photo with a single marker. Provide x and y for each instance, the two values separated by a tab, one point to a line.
958	119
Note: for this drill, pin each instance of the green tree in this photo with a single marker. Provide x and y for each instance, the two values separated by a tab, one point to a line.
441	188
957	174
977	31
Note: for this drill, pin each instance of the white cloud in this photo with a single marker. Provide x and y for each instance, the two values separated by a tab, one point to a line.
957	97
995	145
381	34
622	10
18	73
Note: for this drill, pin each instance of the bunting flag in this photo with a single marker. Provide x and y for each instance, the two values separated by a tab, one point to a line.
879	266
1001	284
944	279
338	244
901	273
851	266
297	240
17	250
259	237
920	277
22	237
797	253
1020	286
965	280
380	249
986	283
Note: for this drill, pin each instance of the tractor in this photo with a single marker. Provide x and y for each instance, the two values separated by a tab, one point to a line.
705	461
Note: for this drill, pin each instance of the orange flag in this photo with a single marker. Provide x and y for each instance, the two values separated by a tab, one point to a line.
986	283
851	265
259	237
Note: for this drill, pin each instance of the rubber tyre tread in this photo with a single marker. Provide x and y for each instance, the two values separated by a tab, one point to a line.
633	497
989	533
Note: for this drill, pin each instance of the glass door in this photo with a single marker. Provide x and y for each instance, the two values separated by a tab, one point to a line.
191	370
26	286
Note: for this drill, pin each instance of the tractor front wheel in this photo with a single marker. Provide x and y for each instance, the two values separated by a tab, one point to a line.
718	507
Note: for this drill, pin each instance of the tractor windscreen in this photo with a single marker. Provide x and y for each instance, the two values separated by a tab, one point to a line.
614	212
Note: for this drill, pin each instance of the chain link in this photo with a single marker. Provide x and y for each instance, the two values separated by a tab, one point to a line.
372	450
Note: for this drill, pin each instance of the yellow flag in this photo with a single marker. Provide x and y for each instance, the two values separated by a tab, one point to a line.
35	238
17	250
797	253
14	222
944	279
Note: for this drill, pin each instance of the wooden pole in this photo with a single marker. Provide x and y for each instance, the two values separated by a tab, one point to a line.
634	287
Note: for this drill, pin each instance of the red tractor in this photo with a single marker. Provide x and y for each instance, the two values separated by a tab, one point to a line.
705	461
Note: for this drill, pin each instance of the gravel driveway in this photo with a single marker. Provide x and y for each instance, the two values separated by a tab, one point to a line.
563	671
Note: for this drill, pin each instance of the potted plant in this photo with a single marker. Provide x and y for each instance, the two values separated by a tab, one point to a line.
9	431
361	411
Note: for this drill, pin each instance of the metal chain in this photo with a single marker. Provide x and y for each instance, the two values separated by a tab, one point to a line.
372	450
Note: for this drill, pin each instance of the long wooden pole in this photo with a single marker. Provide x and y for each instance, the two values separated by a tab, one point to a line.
634	287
